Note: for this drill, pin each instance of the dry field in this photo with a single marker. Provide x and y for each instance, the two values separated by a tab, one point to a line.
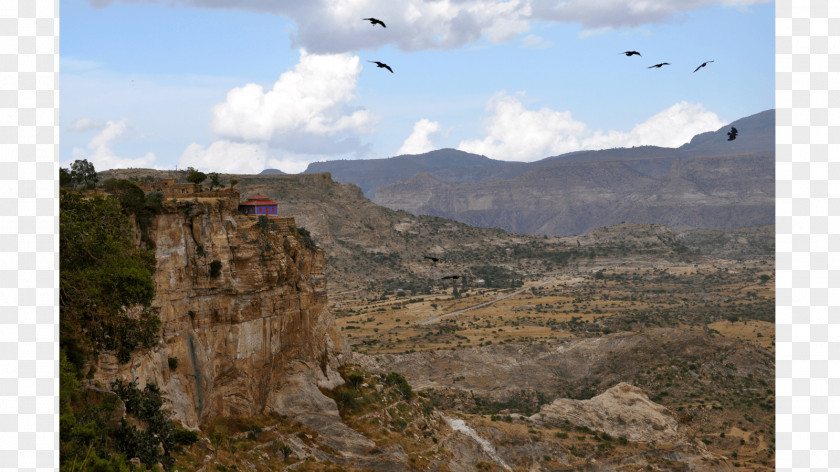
731	298
725	305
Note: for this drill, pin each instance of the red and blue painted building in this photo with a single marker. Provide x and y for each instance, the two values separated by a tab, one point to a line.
258	205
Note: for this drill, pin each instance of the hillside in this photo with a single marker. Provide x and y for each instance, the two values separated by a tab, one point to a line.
562	198
504	361
709	182
446	164
370	245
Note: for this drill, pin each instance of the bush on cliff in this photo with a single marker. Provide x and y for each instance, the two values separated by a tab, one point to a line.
102	273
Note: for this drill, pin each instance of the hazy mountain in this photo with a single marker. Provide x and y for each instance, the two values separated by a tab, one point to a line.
449	165
272	172
708	183
756	134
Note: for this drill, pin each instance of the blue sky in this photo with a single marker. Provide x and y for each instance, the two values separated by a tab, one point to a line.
243	85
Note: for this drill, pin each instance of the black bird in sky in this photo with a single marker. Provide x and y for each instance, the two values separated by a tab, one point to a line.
660	65
374	22
630	53
450	277
733	133
433	259
702	65
382	64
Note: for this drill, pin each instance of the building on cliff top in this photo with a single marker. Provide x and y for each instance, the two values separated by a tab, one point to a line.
258	205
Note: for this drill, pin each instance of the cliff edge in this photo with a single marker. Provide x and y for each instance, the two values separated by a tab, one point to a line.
245	325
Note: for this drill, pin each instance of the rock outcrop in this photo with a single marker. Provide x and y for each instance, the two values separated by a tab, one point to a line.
623	410
246	341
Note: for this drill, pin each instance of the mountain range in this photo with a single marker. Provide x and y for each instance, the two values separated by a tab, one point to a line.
709	182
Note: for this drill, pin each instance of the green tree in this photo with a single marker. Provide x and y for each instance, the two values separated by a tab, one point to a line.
64	177
214	179
83	174
101	274
135	202
196	177
233	182
263	223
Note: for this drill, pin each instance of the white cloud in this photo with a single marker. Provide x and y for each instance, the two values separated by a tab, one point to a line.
289	165
225	157
306	114
326	26
672	127
99	149
533	41
515	133
85	124
418	142
314	98
601	15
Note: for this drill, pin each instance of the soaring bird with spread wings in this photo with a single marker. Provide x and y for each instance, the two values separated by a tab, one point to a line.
733	133
660	65
631	53
702	65
382	64
374	22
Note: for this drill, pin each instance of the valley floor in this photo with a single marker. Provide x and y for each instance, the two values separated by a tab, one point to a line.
695	335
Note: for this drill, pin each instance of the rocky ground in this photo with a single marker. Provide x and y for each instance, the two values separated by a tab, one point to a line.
631	347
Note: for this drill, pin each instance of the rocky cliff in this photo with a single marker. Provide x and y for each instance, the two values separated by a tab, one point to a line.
565	198
255	338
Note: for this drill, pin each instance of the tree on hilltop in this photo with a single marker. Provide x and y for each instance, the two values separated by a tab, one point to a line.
83	174
196	177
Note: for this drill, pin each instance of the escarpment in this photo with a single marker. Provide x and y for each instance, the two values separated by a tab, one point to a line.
245	325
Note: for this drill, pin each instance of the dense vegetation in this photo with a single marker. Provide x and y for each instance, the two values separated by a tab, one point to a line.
102	274
106	290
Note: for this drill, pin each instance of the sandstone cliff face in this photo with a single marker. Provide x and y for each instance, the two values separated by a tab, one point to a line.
254	339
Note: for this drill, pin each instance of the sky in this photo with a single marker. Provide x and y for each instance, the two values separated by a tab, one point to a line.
238	86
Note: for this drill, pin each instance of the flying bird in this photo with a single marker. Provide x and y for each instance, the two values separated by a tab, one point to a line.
433	259
660	65
450	277
374	22
702	65
733	133
382	64
630	53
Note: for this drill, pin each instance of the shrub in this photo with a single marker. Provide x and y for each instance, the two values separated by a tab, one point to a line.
401	384
185	437
306	238
355	380
263	223
102	271
173	363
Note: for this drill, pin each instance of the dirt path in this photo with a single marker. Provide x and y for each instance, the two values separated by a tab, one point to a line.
435	319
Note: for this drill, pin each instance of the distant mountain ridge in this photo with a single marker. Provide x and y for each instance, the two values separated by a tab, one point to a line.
756	135
372	173
707	183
